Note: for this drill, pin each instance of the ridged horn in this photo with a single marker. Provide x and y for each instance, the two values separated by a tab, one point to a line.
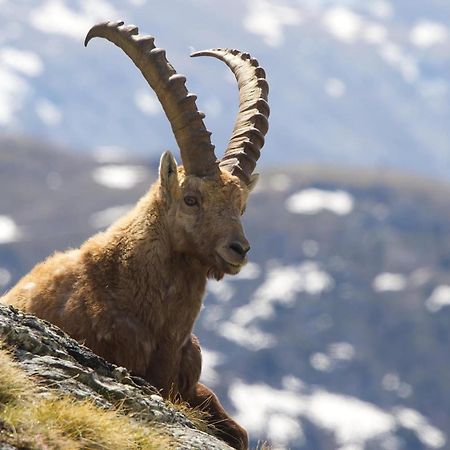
244	147
193	139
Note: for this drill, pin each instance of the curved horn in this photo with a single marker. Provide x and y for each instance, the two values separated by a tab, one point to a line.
193	139
244	147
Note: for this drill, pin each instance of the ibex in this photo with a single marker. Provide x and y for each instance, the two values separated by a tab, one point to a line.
133	292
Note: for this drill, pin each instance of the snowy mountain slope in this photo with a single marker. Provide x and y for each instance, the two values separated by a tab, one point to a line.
335	335
361	82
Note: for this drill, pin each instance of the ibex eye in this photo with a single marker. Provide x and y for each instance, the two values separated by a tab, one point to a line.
190	200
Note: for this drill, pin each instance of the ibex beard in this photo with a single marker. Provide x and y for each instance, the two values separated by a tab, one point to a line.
133	292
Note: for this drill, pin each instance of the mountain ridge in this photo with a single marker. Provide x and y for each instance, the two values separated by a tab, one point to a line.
358	82
344	305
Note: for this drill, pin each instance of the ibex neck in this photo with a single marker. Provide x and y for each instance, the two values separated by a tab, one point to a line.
150	274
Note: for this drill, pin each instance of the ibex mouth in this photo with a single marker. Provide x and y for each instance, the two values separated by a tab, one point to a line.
230	267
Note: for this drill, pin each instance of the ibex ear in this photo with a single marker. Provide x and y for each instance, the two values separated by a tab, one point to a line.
253	181
168	173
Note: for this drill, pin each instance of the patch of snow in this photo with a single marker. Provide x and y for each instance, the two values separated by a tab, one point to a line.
49	113
341	351
389	282
23	61
137	2
255	403
338	351
426	433
282	429
5	277
116	176
210	360
390	442
251	271
221	289
420	276
320	362
312	201
212	315
335	88
110	154
438	299
351	447
105	218
280	182
267	19
100	9
249	337
281	286
147	102
349	27
343	23
13	90
352	421
284	282
401	61
375	34
9	232
55	17
405	390
292	383
391	382
381	9
428	34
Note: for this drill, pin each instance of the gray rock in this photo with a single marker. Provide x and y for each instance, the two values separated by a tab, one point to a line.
44	351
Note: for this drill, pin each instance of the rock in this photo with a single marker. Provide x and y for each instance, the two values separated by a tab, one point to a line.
61	364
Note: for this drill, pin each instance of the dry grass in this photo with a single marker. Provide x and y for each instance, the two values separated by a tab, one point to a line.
198	417
263	446
14	384
200	420
32	421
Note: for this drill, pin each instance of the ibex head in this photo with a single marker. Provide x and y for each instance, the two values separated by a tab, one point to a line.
206	197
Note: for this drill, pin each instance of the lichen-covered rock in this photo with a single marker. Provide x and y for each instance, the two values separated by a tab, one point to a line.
61	363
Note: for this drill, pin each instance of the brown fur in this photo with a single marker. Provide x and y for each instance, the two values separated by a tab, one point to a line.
133	292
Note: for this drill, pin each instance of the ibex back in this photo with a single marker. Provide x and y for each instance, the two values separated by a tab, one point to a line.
133	292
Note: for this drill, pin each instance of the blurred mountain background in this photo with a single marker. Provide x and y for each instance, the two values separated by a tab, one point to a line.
336	335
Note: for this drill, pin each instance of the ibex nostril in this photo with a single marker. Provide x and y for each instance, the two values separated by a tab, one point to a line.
239	249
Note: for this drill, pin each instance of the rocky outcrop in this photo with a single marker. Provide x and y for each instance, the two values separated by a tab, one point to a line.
61	364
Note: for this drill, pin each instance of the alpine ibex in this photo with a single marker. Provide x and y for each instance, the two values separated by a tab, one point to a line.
133	292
